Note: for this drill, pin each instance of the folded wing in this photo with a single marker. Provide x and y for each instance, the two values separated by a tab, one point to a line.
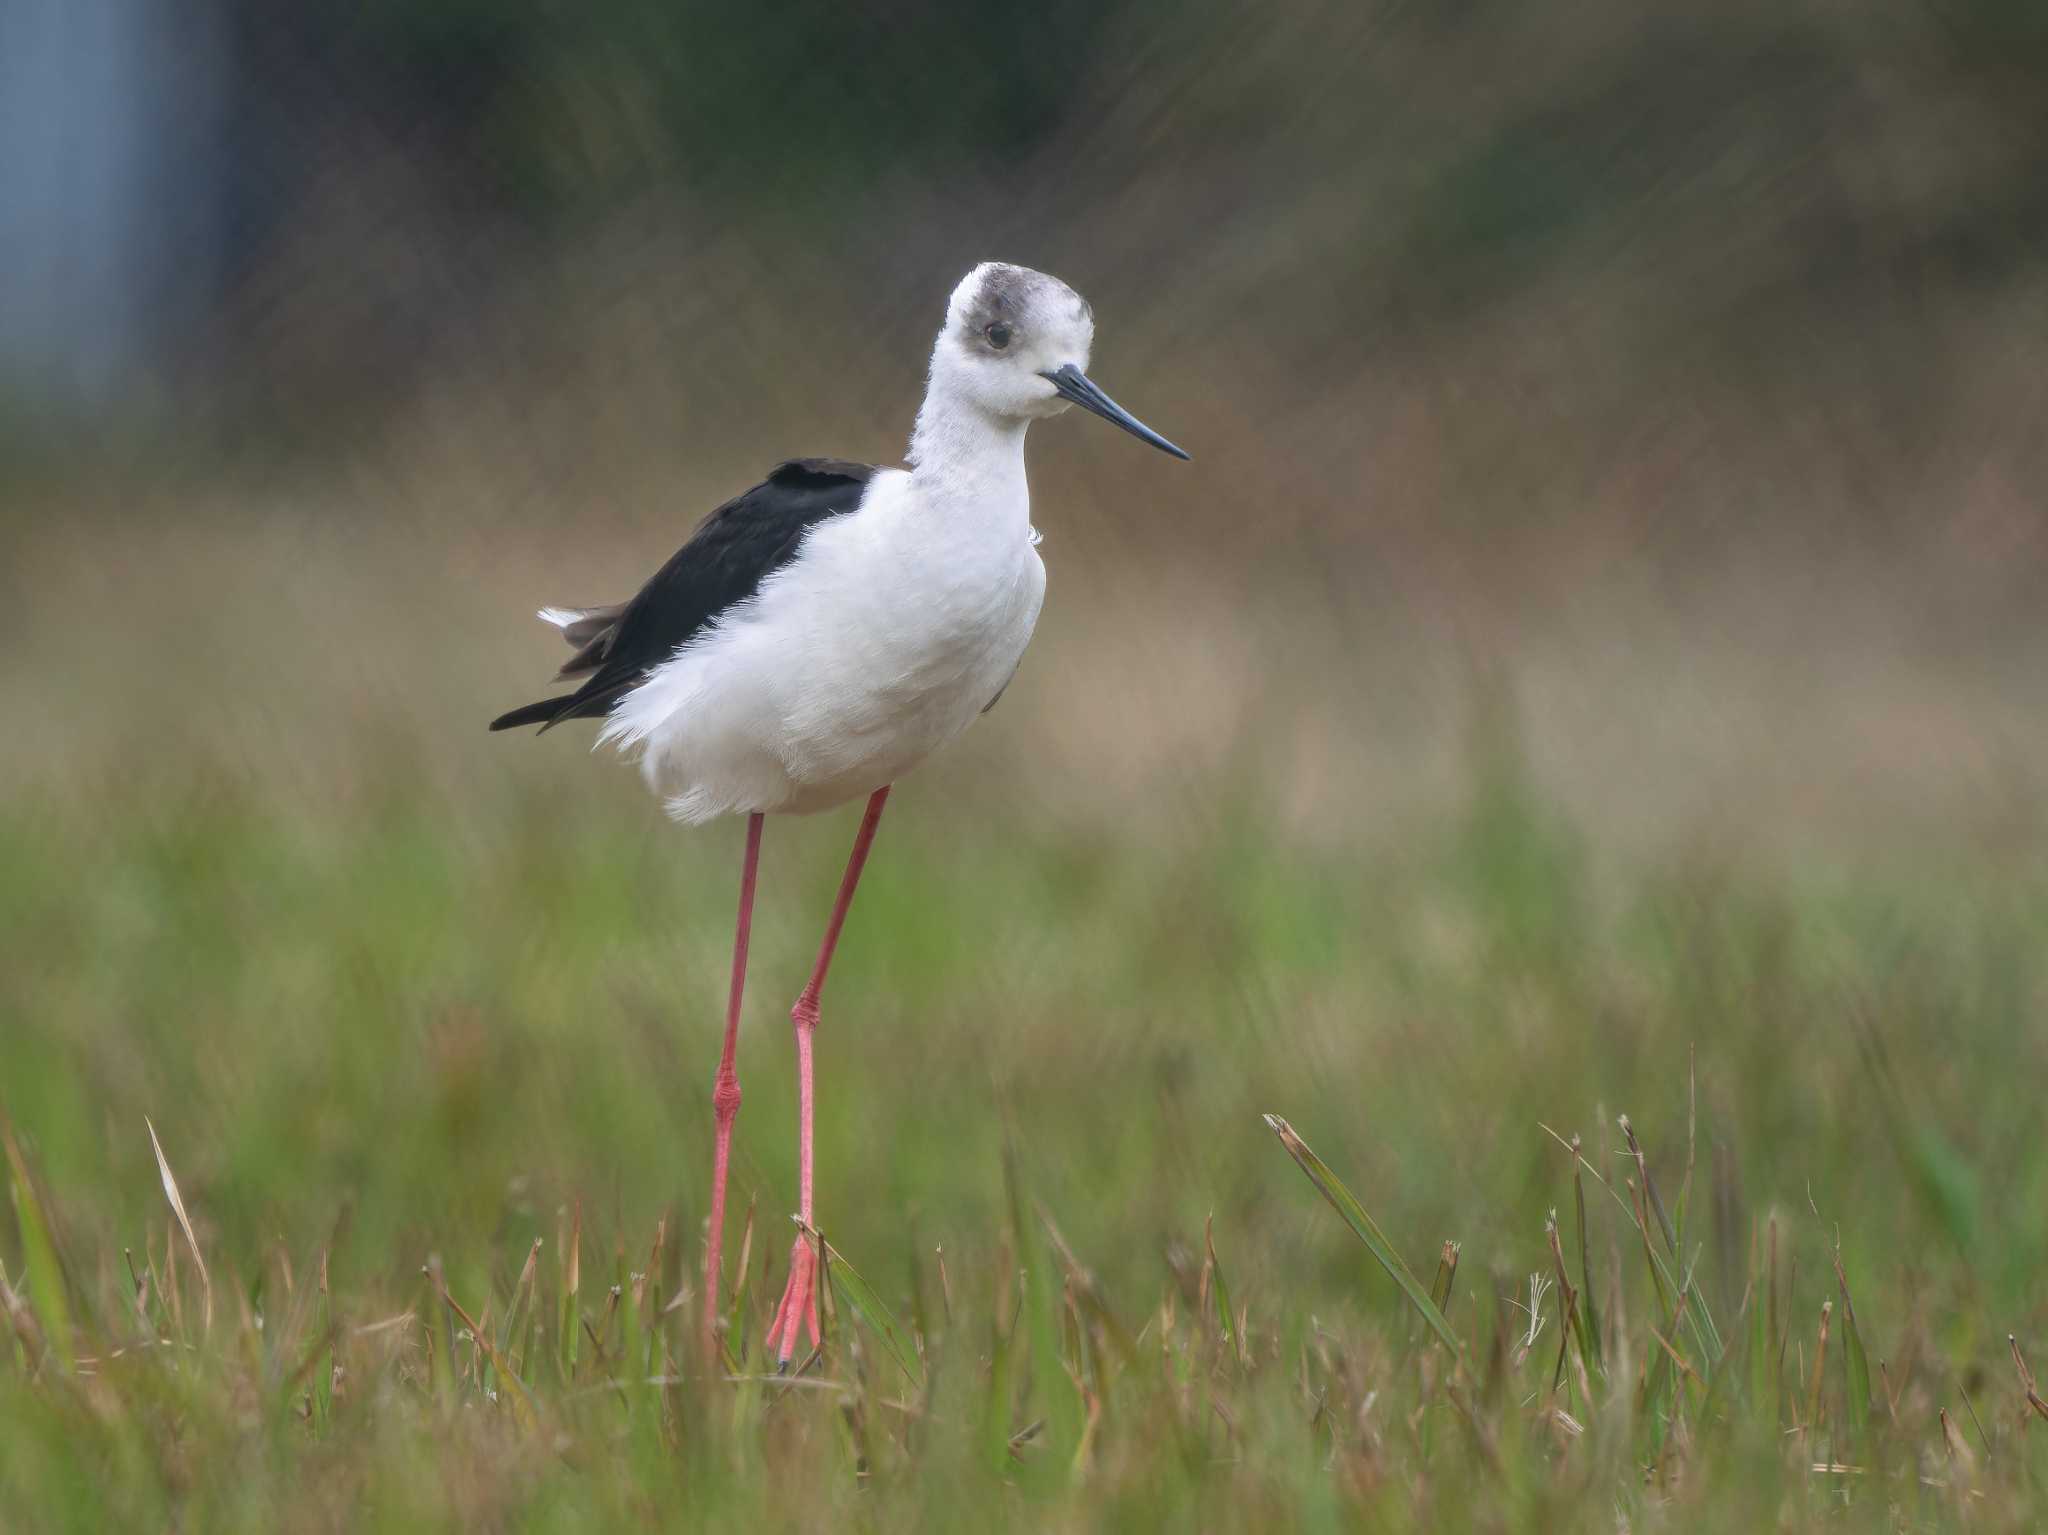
724	563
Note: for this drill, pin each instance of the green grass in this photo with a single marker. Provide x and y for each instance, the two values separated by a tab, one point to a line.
392	1040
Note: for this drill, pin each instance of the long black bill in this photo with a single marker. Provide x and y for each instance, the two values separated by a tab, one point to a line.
1073	384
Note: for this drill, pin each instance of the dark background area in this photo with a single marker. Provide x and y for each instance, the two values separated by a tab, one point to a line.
1576	243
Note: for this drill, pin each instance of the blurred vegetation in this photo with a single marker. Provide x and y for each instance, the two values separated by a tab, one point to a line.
563	108
1745	186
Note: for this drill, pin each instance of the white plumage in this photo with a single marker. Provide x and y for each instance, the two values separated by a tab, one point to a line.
893	628
896	624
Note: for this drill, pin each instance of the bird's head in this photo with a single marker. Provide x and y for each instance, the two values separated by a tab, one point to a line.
1016	344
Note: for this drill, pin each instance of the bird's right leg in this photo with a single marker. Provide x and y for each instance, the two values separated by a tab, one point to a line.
800	1296
725	1093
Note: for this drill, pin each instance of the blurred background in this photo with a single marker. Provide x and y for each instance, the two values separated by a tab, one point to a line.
1700	346
1602	618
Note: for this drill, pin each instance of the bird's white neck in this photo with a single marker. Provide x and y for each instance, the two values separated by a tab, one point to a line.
961	454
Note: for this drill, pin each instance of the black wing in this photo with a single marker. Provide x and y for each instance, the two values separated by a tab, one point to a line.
724	563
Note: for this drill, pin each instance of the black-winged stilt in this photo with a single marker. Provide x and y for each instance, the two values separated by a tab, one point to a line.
823	634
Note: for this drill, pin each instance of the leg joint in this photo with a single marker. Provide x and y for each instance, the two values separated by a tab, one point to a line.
725	1096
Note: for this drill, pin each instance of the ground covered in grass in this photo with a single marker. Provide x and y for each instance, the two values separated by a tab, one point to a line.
424	1022
432	1086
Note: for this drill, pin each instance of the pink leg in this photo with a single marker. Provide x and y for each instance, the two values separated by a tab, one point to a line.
725	1094
799	1298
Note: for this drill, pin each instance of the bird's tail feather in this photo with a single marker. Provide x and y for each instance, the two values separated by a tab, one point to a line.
580	626
541	714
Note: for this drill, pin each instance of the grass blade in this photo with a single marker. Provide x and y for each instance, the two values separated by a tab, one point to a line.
1697	1316
1219	1292
2028	1389
440	1335
510	1334
185	1225
1571	1302
996	1400
323	1376
522	1404
732	1345
1586	1302
1761	1392
1446	1276
1853	1355
566	1334
44	1277
1088	1295
1820	1369
1692	1106
1346	1205
1635	1147
848	1286
1052	1391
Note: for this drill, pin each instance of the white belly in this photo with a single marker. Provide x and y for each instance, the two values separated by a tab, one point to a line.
846	670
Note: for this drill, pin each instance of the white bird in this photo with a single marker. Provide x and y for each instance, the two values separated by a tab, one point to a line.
822	634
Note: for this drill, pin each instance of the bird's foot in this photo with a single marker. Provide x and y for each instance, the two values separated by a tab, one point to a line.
799	1304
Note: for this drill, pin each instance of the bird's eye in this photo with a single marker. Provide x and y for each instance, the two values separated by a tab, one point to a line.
998	335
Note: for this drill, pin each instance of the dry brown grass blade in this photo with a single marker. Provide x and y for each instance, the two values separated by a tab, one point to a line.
1446	1275
1820	1367
2026	1375
1891	1395
571	1257
1642	1214
1569	1299
522	1288
184	1225
1960	1455
1679	1359
1635	1148
173	1288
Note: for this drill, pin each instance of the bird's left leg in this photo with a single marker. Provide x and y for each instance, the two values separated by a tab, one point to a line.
799	1297
725	1090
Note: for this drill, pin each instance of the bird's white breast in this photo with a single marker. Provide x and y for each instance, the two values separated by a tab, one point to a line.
886	637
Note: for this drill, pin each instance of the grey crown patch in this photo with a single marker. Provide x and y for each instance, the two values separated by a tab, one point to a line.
1008	293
